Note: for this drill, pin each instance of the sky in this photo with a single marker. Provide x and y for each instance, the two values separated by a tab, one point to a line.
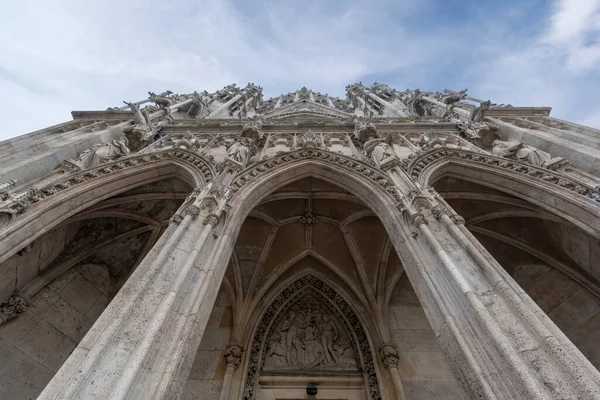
62	55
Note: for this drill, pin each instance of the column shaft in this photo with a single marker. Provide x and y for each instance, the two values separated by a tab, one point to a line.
123	355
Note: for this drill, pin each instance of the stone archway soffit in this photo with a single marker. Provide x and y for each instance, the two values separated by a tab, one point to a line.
313	163
311	195
495	198
517	214
135	198
50	274
430	166
267	286
56	202
567	270
116	213
551	191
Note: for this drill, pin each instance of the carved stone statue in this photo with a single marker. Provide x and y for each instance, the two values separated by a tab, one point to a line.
309	336
188	142
103	153
241	150
364	131
139	117
523	152
253	130
482	134
161	101
451	96
378	149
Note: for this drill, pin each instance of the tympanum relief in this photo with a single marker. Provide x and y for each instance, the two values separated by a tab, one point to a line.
309	336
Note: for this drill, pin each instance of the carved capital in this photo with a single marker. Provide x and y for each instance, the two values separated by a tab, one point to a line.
211	219
176	219
457	219
418	219
233	356
389	356
192	210
438	211
11	307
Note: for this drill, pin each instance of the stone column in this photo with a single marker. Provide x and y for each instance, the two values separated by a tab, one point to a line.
233	358
390	358
498	342
142	346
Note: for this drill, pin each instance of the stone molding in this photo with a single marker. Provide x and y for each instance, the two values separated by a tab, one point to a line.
418	164
369	172
281	304
22	201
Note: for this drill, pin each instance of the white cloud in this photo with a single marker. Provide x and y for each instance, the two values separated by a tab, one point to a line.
560	67
63	55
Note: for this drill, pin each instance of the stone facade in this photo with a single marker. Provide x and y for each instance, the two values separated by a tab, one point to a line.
389	245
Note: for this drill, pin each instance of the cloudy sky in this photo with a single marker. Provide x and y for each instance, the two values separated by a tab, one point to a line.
63	55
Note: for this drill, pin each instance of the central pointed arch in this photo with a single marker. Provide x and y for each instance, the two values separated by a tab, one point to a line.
296	292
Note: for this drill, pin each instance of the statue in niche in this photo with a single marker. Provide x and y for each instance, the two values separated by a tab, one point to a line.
378	149
241	150
309	336
188	142
103	153
523	152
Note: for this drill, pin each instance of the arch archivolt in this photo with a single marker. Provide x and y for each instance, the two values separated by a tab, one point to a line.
274	309
39	211
555	192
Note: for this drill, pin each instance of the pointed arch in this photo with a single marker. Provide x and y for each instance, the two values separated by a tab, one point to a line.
76	192
299	287
557	193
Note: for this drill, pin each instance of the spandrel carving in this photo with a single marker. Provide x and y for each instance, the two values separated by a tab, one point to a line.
309	336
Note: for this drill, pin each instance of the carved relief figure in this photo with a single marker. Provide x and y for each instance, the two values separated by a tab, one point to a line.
523	152
309	336
102	153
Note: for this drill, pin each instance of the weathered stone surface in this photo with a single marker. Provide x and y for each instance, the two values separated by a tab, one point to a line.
208	221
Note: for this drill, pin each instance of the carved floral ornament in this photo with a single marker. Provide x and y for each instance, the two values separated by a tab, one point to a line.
310	326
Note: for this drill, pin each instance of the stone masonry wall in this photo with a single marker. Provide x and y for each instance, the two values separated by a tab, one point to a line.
34	345
206	376
423	369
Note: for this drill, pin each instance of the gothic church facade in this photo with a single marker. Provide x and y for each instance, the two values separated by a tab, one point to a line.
389	245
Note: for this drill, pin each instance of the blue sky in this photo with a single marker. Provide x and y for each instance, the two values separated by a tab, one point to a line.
58	56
